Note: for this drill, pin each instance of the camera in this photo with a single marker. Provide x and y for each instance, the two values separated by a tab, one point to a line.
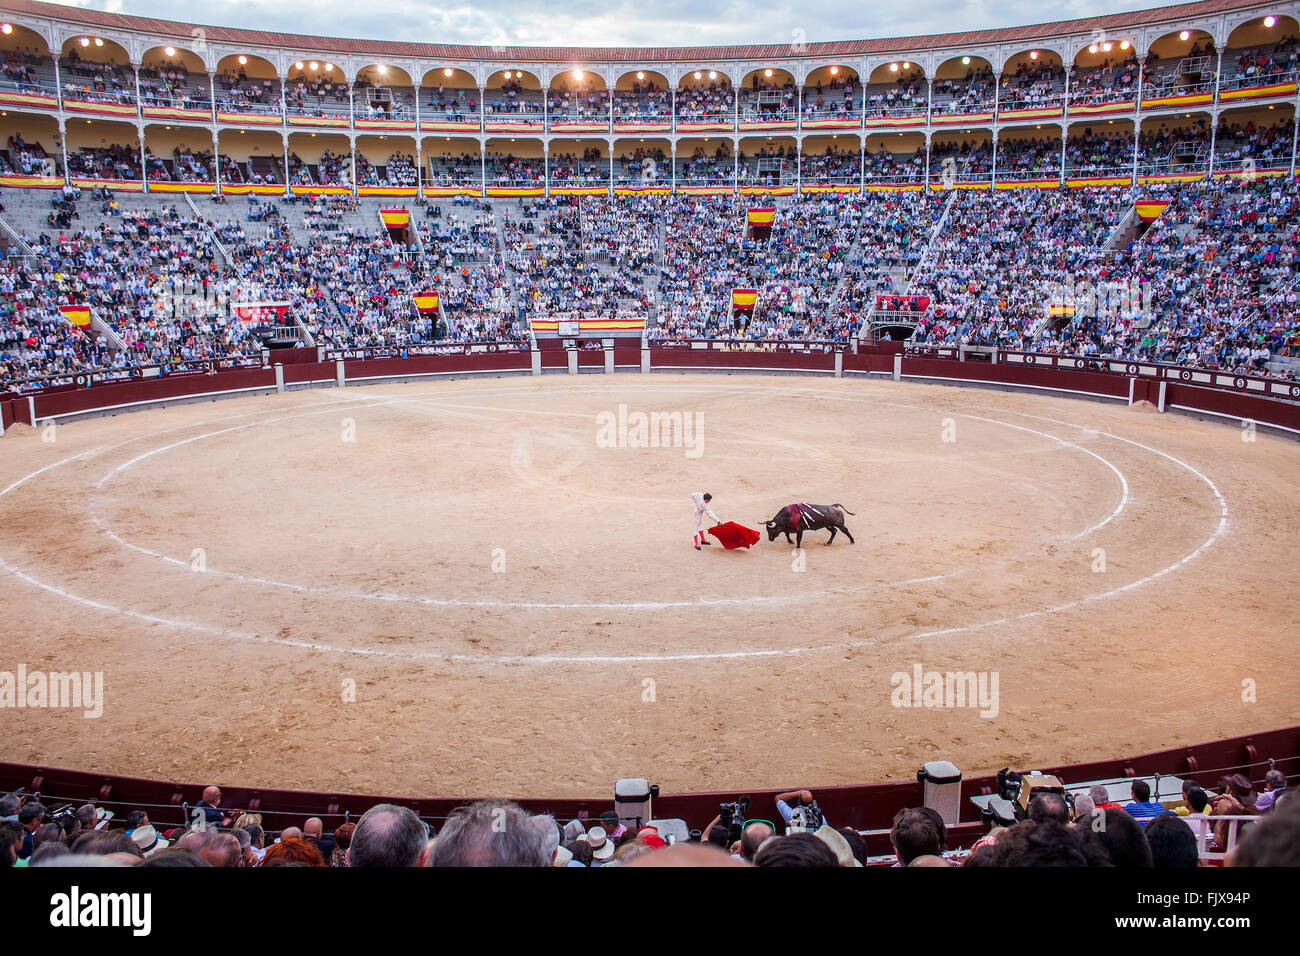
732	816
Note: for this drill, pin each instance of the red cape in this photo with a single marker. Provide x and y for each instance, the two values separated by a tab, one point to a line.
733	535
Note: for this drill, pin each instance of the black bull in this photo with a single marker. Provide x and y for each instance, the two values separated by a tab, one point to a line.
803	517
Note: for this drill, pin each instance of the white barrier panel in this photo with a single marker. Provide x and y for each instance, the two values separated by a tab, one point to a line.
279	377
573	361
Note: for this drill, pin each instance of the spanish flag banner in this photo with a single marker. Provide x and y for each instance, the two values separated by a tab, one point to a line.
395	218
622	324
1253	92
642	190
325	121
743	298
1099	181
426	303
1150	210
1057	310
182	187
767	190
78	315
761	215
1188	99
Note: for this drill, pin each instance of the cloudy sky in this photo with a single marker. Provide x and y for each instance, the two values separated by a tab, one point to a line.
615	22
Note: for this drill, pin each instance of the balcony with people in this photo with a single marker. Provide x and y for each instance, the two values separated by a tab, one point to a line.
514	102
1175	146
383	98
643	103
316	94
96	76
772	161
894	159
1104	78
1180	71
1032	87
705	102
1029	155
1100	150
830	162
27	72
174	85
768	101
577	102
897	95
247	90
1260	59
830	98
964	91
450	102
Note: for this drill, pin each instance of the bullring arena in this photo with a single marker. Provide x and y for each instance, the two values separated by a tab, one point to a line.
380	413
521	610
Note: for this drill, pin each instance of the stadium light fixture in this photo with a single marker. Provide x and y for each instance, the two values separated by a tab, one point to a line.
1033	54
1185	35
382	69
698	74
6	28
1124	44
835	71
329	67
640	74
906	65
85	41
767	73
1106	46
243	60
577	73
1269	21
98	42
447	72
965	61
298	65
1093	48
170	50
893	68
519	74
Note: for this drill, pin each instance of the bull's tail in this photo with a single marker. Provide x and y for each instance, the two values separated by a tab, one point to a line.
842	508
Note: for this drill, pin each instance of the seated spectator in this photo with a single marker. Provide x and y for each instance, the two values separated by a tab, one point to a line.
1172	842
490	833
796	850
1274	787
390	836
1143	808
914	834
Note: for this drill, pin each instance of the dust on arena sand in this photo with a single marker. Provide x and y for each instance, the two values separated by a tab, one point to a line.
520	610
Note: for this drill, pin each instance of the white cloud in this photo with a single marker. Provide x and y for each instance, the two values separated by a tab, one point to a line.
612	23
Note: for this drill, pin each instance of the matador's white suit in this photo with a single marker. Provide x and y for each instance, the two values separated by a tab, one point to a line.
701	509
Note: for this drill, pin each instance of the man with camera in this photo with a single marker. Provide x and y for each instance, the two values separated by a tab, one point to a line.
799	811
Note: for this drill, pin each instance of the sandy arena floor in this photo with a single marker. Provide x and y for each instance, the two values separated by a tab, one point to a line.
522	613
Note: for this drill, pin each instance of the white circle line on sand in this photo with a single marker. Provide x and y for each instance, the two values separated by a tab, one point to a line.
424	600
627	659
